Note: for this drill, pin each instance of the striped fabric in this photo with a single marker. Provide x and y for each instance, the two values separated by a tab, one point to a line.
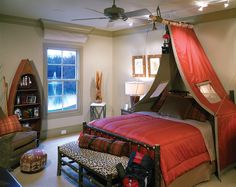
9	124
119	148
105	145
101	144
85	140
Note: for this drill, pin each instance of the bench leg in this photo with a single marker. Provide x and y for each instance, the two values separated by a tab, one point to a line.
59	163
109	184
109	181
80	175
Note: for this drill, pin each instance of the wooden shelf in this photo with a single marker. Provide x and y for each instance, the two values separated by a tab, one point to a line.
27	90
25	87
28	119
27	104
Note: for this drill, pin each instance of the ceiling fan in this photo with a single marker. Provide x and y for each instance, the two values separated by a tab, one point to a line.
115	13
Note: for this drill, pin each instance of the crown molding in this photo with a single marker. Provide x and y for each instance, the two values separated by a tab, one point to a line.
50	24
19	20
69	27
101	32
214	16
56	25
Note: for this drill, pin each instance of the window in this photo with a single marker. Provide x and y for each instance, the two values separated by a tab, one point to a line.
208	91
62	72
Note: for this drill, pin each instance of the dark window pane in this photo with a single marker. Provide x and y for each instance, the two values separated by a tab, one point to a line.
54	104
70	88
69	57
54	72
68	72
54	88
54	56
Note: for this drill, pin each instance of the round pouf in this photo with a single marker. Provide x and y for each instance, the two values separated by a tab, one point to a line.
33	160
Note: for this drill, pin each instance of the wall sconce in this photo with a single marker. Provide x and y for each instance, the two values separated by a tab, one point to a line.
134	90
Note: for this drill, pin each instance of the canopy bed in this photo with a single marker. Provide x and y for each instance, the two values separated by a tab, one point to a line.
189	128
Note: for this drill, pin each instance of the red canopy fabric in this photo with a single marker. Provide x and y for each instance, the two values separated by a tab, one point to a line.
195	67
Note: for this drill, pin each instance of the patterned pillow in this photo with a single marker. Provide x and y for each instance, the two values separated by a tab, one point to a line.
105	145
157	105
9	124
101	144
85	140
175	106
119	148
196	112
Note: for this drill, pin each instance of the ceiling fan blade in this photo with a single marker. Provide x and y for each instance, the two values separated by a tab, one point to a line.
95	10
88	19
141	21
140	12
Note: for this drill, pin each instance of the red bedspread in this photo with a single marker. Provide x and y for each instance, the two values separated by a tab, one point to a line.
182	146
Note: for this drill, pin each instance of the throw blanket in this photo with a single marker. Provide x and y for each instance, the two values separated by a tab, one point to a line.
182	146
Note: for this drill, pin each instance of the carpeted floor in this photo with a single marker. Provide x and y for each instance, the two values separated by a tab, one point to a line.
48	176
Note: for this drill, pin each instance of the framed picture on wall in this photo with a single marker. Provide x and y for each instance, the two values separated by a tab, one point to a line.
138	66
153	64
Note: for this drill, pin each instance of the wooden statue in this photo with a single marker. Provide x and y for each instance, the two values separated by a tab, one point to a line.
98	83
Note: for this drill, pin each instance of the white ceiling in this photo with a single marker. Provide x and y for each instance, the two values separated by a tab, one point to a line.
66	10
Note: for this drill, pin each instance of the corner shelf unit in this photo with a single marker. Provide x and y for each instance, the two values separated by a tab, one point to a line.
24	97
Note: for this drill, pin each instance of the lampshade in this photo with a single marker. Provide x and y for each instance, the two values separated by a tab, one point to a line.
134	88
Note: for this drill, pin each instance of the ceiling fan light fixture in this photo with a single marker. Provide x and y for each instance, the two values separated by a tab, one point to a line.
201	5
200	8
115	13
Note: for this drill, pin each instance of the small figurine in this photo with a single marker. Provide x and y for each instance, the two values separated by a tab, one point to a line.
18	113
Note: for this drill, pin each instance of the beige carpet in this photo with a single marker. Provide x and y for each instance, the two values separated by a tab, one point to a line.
49	178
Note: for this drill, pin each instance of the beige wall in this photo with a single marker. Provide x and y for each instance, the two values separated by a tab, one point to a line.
19	42
219	41
124	47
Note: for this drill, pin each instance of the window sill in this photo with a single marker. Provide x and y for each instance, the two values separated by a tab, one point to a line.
64	114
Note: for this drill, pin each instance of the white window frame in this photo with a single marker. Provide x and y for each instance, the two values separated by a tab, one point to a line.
208	92
67	113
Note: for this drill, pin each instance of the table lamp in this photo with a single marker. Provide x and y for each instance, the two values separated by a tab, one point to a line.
134	90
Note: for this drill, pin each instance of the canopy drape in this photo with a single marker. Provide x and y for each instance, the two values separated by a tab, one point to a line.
195	68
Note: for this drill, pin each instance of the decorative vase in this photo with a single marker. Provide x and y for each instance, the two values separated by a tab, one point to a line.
98	83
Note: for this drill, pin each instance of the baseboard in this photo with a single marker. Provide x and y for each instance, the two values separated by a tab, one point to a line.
49	133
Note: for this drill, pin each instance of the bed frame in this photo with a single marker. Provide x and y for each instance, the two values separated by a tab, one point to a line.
140	145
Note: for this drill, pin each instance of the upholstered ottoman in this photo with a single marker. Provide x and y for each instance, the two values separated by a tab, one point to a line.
33	160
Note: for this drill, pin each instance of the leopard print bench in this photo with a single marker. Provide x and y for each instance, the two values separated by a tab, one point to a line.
92	164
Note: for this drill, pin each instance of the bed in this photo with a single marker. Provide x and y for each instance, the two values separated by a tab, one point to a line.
186	150
181	148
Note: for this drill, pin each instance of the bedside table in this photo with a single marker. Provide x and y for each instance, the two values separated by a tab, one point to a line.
124	111
97	111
